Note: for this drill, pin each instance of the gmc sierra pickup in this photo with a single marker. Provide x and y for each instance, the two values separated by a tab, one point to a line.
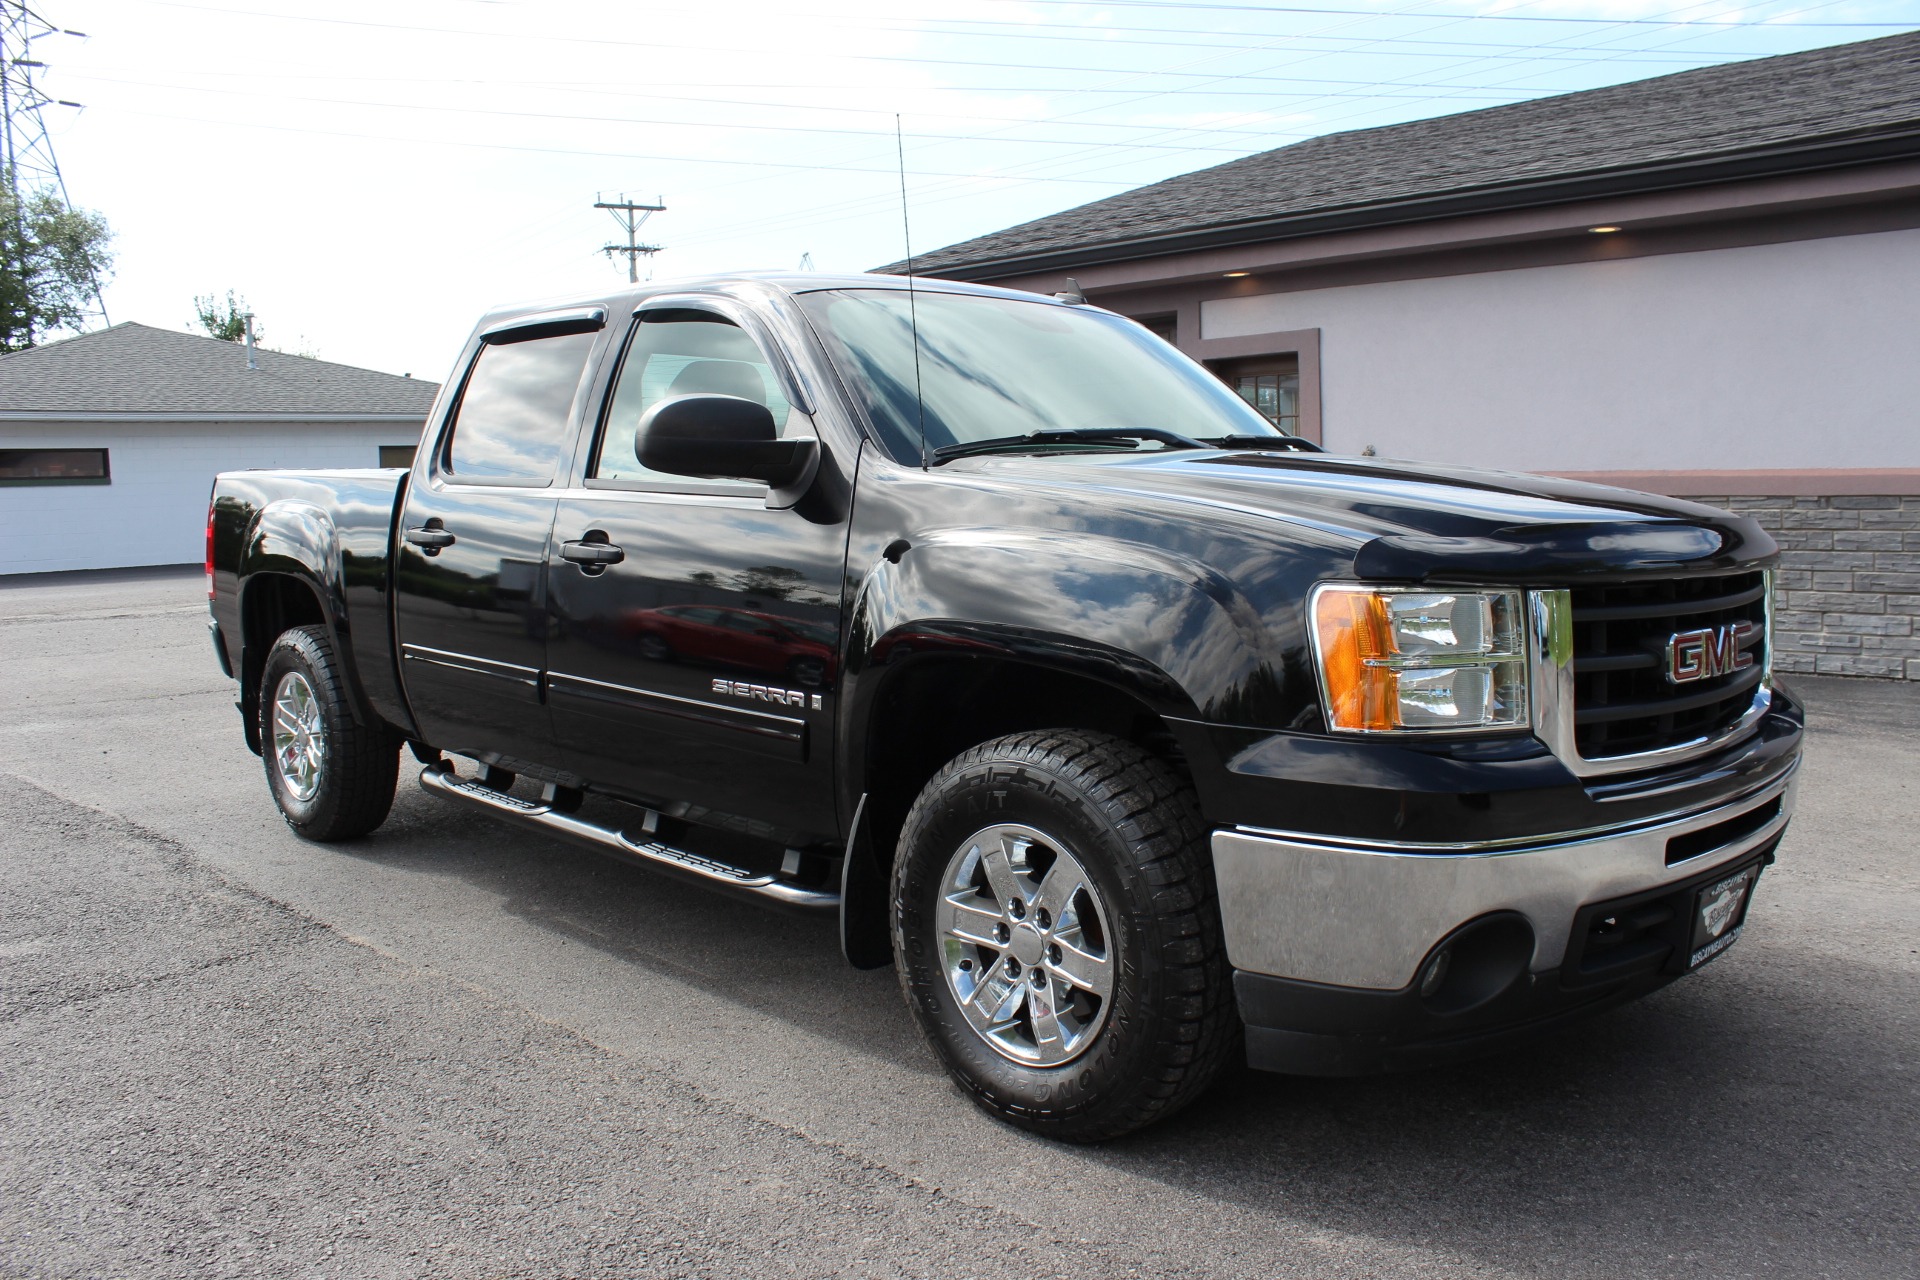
1132	731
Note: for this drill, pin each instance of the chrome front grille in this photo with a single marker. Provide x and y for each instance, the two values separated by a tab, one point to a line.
1624	704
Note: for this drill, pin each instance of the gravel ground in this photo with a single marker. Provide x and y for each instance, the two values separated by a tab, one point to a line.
449	1050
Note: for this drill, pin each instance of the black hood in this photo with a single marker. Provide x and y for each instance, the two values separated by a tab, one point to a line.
1411	521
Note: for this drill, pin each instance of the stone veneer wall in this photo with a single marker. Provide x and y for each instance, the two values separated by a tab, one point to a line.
1847	597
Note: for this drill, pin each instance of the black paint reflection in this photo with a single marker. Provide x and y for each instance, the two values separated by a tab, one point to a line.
712	590
748	641
472	620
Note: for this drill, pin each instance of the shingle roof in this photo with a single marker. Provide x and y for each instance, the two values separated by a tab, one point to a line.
1865	96
133	368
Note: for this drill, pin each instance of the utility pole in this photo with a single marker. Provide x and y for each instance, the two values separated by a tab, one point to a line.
630	216
27	163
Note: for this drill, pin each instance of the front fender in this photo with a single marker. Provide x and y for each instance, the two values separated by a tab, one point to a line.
1171	631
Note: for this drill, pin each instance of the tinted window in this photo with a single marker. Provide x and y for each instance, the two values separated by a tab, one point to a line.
986	367
677	353
53	466
513	421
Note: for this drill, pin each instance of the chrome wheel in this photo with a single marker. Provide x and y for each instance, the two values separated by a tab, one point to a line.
299	744
1024	944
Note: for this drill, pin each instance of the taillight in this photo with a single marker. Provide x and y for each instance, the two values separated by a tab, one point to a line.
209	551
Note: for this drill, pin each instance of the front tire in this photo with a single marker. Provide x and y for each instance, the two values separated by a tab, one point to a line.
1057	936
332	778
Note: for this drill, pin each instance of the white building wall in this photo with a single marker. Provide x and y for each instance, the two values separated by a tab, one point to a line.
1771	356
155	510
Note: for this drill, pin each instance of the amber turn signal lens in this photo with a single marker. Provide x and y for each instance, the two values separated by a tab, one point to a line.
1352	627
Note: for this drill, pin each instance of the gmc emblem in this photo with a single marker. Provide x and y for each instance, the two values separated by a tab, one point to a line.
1708	652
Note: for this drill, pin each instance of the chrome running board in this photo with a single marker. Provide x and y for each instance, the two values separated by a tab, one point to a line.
651	854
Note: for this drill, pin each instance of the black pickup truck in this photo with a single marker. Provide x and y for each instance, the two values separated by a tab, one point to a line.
1132	731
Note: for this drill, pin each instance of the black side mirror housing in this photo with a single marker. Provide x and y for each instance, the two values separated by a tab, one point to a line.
722	438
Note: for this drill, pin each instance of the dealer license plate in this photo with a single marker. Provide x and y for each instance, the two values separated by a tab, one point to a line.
1719	913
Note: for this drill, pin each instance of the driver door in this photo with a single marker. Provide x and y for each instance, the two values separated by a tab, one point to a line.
668	677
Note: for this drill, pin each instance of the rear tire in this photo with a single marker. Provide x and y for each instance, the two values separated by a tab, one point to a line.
1057	936
332	778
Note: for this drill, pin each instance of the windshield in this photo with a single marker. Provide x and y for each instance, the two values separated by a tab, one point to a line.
998	367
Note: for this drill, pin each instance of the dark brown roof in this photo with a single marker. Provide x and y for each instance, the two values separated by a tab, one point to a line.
1851	103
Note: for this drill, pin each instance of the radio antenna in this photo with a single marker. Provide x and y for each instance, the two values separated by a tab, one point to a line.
913	310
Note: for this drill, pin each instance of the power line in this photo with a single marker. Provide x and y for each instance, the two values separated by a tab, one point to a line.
990	64
1018	172
1730	23
567	151
604	42
1267	137
583	90
1464	91
1078	143
1504	16
1023	172
1452	20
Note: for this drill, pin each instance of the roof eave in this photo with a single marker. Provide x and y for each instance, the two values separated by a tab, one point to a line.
1902	143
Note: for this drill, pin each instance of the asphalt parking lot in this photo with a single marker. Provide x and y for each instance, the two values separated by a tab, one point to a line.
451	1050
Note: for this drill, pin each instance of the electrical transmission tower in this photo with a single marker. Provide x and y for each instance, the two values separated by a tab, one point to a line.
630	216
27	163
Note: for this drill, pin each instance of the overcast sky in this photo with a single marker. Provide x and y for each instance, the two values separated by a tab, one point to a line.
372	174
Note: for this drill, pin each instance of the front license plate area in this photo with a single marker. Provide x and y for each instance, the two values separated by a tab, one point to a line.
1719	913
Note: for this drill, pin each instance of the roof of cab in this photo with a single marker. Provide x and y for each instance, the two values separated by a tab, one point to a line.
737	282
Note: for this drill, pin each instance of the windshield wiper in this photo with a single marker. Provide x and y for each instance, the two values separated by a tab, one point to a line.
1297	444
1066	435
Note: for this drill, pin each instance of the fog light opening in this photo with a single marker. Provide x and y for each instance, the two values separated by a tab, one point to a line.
1478	963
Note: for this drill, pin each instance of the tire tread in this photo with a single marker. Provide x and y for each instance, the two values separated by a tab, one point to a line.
364	760
1156	815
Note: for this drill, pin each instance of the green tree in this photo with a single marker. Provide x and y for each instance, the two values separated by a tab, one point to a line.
52	258
229	325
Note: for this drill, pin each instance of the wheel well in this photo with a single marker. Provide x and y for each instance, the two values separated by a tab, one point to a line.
938	707
270	603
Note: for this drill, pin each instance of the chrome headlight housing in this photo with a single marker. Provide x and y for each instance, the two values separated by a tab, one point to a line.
1418	660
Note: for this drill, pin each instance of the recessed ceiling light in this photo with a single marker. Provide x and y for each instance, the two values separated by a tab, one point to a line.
1601	231
1235	275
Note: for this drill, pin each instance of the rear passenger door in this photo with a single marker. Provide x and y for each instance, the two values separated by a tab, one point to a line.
470	583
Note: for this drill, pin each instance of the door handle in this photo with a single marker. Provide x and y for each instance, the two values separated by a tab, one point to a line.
591	556
429	536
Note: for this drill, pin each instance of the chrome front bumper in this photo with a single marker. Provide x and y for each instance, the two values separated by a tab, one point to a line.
1358	915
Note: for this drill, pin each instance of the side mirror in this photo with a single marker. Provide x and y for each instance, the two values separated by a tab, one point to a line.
721	438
